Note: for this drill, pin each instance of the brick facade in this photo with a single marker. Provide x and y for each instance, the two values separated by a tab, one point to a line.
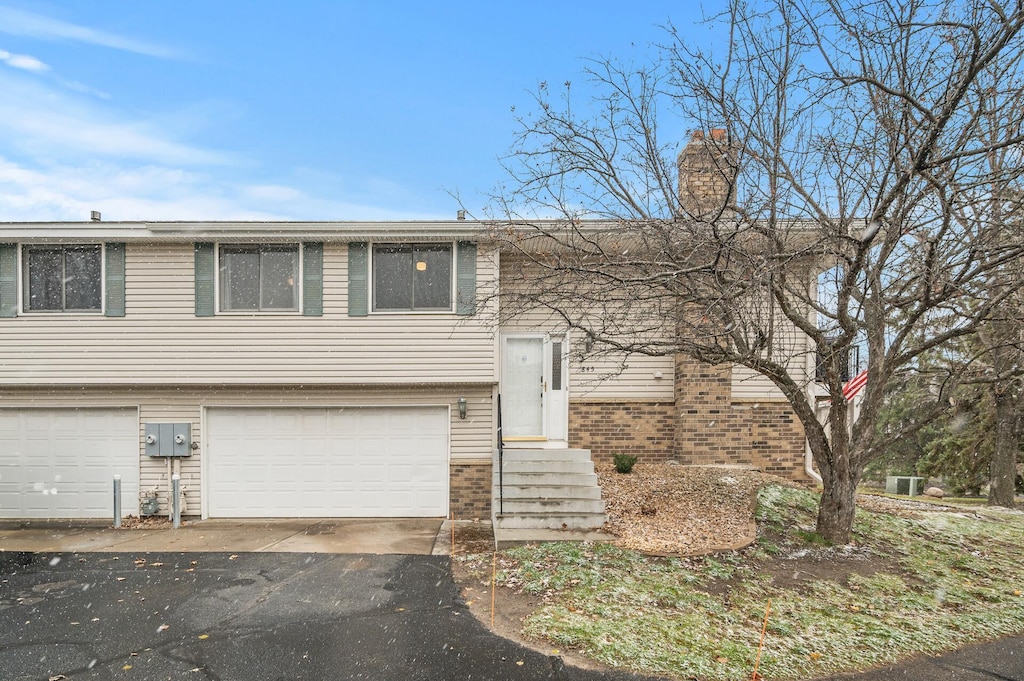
470	490
643	429
704	426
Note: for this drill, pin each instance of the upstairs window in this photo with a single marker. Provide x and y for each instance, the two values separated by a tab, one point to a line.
412	277
259	278
63	278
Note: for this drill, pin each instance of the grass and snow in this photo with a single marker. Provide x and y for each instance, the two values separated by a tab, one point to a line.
907	585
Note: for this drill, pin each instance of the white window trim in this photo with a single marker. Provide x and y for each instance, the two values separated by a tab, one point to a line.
451	286
296	311
22	311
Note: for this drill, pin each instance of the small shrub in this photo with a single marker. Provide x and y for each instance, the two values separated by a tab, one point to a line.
624	462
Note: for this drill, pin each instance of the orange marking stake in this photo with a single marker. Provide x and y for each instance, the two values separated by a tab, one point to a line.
494	583
764	628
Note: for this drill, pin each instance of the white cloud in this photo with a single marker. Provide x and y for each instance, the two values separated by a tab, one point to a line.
23	61
273	192
155	192
19	22
41	121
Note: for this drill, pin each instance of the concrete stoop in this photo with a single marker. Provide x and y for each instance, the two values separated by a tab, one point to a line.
548	495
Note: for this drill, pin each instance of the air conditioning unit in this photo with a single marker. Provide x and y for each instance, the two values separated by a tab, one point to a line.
904	484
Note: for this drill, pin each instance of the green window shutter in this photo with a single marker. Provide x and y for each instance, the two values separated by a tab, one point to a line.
358	279
313	279
206	265
114	284
8	280
465	278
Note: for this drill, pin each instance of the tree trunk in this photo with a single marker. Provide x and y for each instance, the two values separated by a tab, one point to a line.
837	507
1003	469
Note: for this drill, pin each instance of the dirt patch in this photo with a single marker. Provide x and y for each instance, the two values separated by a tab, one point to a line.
473	538
148	522
835	563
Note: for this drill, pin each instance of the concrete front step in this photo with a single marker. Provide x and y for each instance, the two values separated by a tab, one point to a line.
548	466
546	490
550	521
545	479
538	505
546	454
506	537
556	491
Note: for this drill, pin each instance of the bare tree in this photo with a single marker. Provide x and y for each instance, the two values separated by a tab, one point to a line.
844	197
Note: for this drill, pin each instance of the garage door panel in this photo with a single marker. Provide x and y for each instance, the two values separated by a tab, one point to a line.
352	461
60	463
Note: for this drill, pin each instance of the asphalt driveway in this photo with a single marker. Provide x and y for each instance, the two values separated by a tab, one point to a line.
285	616
250	617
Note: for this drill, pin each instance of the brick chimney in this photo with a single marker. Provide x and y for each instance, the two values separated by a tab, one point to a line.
707	170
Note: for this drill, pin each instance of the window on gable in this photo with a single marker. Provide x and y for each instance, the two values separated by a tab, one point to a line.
255	278
63	278
412	277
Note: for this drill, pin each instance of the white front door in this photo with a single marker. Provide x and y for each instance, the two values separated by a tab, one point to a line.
534	391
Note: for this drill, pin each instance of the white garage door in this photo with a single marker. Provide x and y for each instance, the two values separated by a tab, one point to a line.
333	462
60	463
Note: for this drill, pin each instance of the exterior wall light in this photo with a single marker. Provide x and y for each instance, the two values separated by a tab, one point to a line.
462	407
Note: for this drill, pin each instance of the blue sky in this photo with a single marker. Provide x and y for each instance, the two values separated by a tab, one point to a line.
304	110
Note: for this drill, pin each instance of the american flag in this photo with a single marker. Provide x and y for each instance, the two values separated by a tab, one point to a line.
854	385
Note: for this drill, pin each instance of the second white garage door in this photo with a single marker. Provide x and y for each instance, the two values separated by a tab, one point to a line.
327	462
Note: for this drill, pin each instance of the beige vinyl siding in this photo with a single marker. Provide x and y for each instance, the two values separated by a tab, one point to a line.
605	377
471	439
635	377
161	341
790	346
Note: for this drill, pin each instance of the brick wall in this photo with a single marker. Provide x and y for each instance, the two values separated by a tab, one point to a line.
712	428
470	490
704	426
643	429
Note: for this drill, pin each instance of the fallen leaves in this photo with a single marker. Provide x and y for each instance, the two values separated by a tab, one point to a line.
680	510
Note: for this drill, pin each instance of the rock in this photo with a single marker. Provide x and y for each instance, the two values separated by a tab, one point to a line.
934	492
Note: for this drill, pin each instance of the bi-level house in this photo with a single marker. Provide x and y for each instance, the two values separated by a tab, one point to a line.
325	369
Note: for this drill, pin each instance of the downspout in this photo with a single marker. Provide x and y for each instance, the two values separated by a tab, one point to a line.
808	456
809	463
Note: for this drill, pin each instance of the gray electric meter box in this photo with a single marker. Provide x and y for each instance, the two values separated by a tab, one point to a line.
168	439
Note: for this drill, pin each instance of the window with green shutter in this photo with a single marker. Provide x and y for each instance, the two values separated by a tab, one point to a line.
465	279
205	271
312	279
8	280
62	278
358	279
114	288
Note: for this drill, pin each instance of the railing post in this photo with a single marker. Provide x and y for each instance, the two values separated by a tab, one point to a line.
176	500
501	464
117	502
